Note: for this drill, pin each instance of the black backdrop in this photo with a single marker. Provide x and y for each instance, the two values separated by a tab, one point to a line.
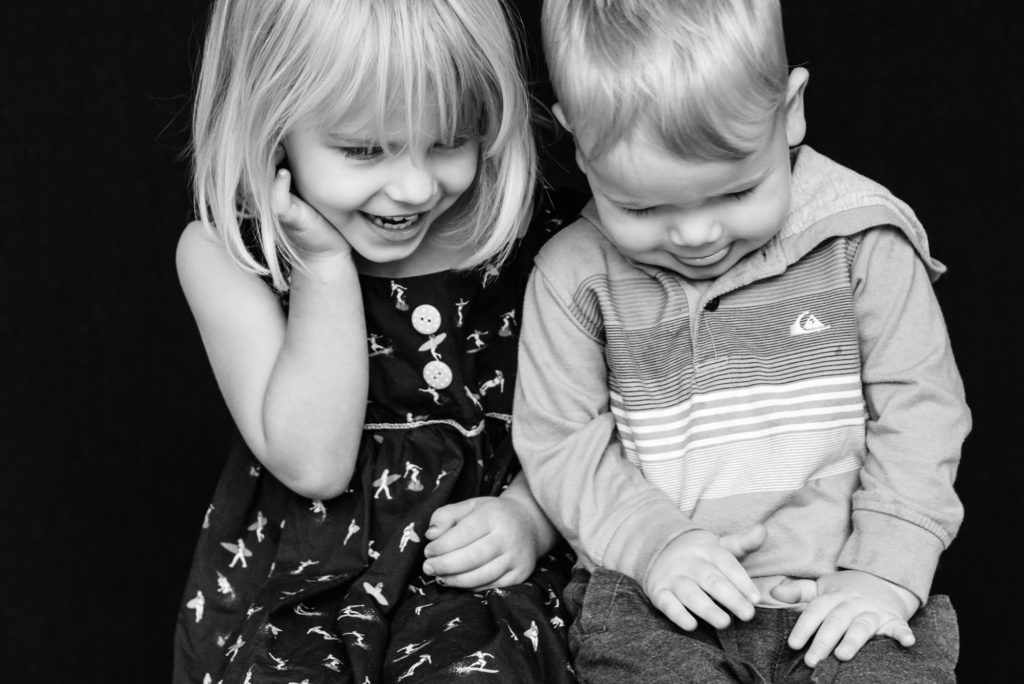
112	431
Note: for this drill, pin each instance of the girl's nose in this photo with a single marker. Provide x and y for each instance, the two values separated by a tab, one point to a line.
695	231
412	181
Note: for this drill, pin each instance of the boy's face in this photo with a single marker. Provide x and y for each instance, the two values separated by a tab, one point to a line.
697	219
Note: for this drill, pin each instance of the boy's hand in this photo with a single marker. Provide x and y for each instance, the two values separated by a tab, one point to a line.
699	569
311	234
481	543
847	608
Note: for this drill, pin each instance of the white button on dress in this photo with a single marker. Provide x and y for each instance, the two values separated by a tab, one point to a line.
426	319
437	375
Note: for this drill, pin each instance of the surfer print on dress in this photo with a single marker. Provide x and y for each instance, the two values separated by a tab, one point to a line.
333	591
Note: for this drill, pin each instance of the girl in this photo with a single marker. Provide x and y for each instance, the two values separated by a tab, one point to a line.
362	170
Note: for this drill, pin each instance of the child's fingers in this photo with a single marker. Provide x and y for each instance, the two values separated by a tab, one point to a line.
462	559
740	544
862	628
283	199
476	576
795	591
738	592
303	222
830	626
467	531
510	578
697	601
809	621
672	608
898	630
735	593
445	517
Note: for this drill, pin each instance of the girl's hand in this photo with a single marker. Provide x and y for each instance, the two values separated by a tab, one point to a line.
313	236
481	543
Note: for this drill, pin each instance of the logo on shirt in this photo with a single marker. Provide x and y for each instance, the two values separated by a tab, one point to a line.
805	324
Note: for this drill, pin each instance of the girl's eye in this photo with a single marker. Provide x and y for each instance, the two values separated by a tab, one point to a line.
455	144
362	152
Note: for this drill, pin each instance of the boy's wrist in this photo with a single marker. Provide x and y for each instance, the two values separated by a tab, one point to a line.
541	530
901	598
900	552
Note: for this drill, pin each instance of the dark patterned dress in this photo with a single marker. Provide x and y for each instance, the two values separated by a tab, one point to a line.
288	589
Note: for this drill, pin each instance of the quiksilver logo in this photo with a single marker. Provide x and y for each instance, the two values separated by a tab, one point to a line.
807	323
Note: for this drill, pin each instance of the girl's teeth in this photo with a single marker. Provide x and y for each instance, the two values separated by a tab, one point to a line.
394	222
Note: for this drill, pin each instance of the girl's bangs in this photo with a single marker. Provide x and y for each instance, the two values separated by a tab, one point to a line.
417	73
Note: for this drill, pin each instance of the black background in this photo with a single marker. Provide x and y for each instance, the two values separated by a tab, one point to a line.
112	431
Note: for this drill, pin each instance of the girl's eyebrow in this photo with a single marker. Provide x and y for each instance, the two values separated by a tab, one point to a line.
349	135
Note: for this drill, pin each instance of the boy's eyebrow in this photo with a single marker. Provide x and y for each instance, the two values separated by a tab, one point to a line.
748	182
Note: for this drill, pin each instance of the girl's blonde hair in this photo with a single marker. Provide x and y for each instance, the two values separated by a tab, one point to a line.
269	64
701	77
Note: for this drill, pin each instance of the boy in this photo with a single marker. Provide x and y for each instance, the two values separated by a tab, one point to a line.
735	388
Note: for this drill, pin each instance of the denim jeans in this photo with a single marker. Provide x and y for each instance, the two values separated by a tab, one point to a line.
619	636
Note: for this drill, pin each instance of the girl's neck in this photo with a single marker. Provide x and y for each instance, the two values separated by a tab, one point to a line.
434	255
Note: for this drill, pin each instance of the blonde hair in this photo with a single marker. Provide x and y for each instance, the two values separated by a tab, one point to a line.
268	64
701	77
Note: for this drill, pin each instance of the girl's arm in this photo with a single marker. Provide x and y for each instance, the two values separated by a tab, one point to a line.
296	386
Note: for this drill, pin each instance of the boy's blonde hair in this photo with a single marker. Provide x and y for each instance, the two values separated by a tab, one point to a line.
269	64
701	77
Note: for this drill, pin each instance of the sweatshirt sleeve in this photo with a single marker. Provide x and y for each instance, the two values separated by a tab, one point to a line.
566	440
905	512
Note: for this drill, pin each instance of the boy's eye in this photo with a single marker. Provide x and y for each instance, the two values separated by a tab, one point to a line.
741	194
637	212
362	151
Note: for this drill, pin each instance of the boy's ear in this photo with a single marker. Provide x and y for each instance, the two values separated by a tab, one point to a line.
556	109
796	124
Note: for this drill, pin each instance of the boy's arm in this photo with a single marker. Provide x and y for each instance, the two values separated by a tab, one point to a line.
906	511
565	437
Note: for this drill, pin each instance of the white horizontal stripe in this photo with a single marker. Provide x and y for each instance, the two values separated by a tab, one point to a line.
651	443
635	417
745	393
751	435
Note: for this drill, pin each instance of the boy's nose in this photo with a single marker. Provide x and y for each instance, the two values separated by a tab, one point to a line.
695	231
412	182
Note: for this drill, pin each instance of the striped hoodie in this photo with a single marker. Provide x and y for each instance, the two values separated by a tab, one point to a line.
811	388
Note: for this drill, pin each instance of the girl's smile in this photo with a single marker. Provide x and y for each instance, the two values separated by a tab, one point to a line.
388	205
393	223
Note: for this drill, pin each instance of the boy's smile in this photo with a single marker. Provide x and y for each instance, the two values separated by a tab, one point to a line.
695	218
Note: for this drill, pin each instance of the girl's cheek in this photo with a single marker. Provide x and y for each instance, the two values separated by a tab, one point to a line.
462	173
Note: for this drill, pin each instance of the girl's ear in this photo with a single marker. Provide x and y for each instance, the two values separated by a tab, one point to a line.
278	154
796	124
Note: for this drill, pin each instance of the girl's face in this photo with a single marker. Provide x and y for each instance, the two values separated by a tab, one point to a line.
389	207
